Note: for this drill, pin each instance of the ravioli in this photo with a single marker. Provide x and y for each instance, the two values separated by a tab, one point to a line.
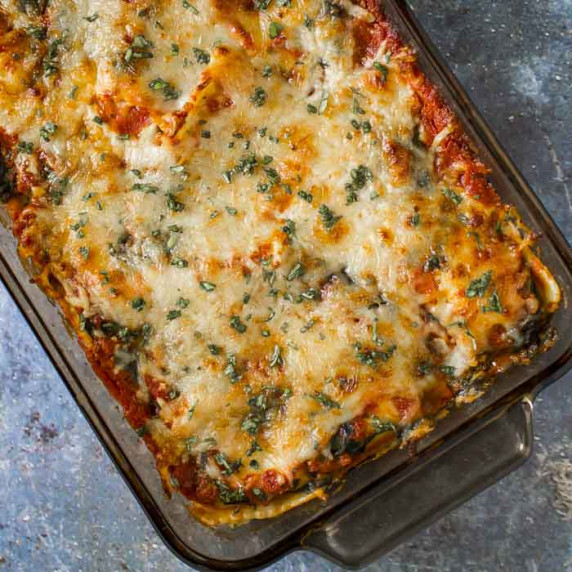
271	236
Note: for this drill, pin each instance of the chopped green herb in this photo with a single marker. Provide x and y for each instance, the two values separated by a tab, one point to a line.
169	91
259	97
145	188
47	130
452	195
183	303
173	314
173	204
432	263
202	56
179	262
325	401
225	493
289	229
308	197
479	286
207	286
84	251
276	358
36	32
447	370
231	370
379	426
359	179
494	304
188	6
237	325
214	349
383	70
329	219
138	304
50	63
307	326
373	357
275	30
25	147
92	18
227	466
297	271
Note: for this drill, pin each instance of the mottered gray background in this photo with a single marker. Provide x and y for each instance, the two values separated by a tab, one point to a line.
64	507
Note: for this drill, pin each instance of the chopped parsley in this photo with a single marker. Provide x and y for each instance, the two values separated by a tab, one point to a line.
297	271
275	30
359	179
325	401
383	70
140	49
453	196
188	6
179	262
207	286
173	204
145	188
479	286
329	219
261	407
138	304
169	91
308	22
202	56
50	63
227	466
289	229
373	357
259	97
173	315
231	370
494	304
47	130
276	358
25	147
236	324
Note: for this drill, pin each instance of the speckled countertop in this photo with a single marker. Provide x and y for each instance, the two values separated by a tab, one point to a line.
63	505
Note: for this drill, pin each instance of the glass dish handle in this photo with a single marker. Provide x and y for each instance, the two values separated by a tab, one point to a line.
426	491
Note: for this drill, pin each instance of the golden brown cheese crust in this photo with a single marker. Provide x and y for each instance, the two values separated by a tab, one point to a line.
272	237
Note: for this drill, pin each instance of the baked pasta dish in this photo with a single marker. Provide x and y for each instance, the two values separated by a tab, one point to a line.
267	230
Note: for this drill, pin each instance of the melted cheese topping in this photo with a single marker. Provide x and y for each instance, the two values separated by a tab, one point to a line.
247	207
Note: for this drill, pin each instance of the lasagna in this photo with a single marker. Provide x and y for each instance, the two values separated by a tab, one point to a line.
269	233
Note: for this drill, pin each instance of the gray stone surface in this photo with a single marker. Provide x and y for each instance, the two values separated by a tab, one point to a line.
64	507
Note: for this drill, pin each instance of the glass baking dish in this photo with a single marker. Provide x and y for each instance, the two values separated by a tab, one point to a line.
381	503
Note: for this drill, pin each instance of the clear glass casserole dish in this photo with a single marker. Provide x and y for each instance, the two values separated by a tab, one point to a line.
382	502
